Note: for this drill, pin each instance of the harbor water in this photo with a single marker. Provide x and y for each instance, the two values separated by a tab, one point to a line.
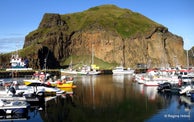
112	98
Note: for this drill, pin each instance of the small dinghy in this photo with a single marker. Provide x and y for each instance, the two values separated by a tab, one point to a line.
13	107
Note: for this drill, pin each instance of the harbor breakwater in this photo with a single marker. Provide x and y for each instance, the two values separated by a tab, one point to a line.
23	73
57	72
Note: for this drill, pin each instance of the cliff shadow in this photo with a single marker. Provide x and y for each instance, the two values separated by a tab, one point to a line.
47	59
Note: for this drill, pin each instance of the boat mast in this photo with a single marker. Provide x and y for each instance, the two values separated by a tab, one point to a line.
123	49
187	61
92	55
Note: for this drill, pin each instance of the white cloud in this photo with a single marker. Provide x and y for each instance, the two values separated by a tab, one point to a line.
188	44
11	44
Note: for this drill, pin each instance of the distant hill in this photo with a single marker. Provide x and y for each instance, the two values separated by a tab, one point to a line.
113	35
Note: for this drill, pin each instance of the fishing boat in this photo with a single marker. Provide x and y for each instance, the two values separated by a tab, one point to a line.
17	63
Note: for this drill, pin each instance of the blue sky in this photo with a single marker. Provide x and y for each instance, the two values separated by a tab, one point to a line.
19	17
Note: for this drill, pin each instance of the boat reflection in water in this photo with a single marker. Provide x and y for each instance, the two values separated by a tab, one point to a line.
109	98
100	98
115	98
14	117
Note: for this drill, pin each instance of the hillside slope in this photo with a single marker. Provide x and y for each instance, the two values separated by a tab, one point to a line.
114	35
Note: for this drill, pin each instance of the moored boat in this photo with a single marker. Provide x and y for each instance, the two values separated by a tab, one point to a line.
186	87
68	84
121	70
168	87
46	86
13	107
68	72
17	63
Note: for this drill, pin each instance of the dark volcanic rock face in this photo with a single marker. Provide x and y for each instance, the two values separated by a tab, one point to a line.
60	36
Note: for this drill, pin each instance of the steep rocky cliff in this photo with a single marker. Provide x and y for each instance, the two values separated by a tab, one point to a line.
113	35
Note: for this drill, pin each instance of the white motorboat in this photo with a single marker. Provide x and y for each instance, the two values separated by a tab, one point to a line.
22	94
13	107
186	87
48	89
94	72
89	70
2	82
121	70
186	75
68	72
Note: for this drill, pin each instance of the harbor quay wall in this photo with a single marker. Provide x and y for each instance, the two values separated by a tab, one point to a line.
14	73
23	73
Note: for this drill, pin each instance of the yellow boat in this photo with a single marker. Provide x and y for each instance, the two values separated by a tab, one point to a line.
68	84
60	85
29	81
67	90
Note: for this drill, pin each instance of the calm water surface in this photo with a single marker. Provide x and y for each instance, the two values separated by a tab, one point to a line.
113	98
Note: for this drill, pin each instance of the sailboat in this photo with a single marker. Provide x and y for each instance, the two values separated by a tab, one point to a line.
94	69
69	70
90	70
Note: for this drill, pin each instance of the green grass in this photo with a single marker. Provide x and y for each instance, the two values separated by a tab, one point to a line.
78	61
110	17
107	17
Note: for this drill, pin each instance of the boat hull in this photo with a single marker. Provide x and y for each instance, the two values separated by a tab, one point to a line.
15	69
14	107
29	81
68	84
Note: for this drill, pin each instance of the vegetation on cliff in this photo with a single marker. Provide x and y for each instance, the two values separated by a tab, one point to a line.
117	35
109	17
